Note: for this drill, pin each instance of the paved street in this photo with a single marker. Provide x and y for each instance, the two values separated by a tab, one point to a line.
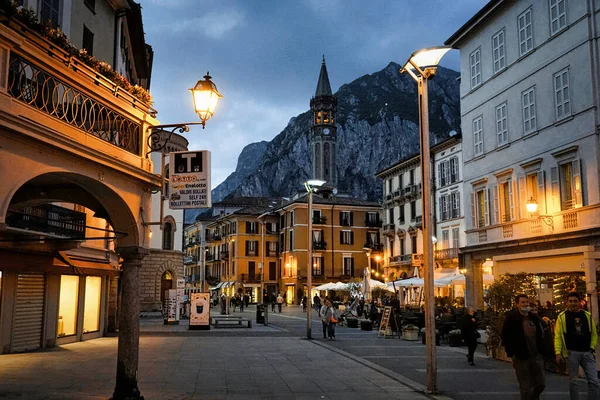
271	362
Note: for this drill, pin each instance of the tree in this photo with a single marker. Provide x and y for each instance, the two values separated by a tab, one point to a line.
501	294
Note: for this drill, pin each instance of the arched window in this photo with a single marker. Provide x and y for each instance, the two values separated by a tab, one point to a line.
167	236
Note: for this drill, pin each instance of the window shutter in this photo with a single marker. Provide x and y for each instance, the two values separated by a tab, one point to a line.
351	237
486	206
256	247
522	189
511	202
351	218
341	237
341	218
247	246
473	211
322	271
440	174
248	227
496	205
442	208
576	184
457	194
541	192
352	267
555	189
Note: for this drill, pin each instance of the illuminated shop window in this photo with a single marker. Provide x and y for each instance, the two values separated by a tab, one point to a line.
67	306
91	312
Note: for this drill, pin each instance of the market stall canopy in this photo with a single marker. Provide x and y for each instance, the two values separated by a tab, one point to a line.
325	286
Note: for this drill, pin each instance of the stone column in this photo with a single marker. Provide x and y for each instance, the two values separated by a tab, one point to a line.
589	264
129	324
112	324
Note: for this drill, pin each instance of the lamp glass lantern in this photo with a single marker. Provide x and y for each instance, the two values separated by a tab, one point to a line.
531	205
206	96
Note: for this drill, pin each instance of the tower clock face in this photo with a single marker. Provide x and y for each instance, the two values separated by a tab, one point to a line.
326	131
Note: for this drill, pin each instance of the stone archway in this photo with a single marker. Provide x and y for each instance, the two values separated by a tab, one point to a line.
168	267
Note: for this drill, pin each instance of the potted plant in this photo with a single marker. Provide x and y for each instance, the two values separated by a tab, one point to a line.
455	338
424	336
410	332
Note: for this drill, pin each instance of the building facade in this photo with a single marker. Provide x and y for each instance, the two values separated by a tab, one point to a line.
529	105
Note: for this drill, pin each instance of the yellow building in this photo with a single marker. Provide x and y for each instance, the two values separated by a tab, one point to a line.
344	231
242	251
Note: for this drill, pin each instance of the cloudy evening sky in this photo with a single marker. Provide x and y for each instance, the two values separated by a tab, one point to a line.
265	55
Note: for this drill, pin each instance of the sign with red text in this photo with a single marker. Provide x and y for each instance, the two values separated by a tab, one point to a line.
189	179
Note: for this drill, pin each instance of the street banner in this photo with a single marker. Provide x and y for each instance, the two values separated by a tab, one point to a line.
200	311
189	179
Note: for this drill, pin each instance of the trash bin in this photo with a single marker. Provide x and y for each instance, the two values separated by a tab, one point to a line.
260	313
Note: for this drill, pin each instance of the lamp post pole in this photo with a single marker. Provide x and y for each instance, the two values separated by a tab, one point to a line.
228	299
309	264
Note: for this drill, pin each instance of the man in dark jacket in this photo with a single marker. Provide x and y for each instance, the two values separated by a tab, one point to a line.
522	336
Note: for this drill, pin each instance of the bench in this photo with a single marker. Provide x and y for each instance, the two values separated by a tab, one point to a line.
231	322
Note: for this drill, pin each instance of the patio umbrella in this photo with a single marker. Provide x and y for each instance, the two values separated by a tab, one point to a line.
366	284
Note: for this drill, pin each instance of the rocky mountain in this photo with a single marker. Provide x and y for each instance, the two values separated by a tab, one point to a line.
377	123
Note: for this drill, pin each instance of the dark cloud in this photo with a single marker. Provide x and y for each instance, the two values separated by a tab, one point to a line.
265	57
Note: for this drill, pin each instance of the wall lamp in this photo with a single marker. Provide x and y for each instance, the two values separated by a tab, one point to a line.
532	207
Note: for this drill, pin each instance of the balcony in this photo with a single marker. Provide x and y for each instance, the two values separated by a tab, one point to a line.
563	222
375	247
373	223
272	253
62	94
210	257
251	278
419	221
395	259
411	259
49	219
389	228
446	254
224	255
187	260
319	245
319	220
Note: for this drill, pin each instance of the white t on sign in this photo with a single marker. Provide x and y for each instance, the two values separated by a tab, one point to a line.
189	179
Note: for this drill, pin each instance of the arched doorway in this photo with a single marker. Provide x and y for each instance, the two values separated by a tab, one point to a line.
166	283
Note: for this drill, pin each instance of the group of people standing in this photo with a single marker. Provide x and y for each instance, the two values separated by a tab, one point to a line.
328	318
527	339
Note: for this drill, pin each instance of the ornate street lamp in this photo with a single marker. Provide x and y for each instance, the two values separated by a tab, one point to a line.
421	66
206	96
532	207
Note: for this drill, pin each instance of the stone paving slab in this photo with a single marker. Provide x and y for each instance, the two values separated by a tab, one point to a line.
189	367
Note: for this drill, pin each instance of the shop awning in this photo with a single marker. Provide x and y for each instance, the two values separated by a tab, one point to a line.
80	266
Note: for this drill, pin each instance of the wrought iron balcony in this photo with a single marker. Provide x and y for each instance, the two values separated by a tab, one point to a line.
375	247
419	221
251	278
187	260
389	228
395	259
272	253
224	255
373	223
210	257
322	245
319	220
50	219
446	254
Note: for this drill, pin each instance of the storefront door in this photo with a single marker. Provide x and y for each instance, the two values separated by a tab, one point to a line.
29	312
166	283
290	294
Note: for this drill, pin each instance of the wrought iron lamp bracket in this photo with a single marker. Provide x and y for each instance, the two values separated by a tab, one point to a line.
154	138
548	220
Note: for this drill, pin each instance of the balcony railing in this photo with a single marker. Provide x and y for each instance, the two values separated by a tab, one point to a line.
319	220
224	255
389	228
210	257
446	254
373	223
51	219
251	278
189	260
319	245
272	253
395	259
374	246
419	221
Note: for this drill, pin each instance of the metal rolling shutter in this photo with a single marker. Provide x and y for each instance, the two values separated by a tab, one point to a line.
29	312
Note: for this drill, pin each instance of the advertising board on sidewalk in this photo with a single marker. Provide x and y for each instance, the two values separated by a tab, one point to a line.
200	311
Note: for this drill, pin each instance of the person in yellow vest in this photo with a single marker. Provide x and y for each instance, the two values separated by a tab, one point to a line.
575	339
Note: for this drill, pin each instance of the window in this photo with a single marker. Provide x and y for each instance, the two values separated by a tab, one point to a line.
413	210
372	218
501	125
443	173
390	183
561	94
282	240
478	135
411	176
529	115
346	218
252	269
346	237
167	236
67	305
372	239
455	238
316	217
402	246
50	12
454	169
91	4
272	270
401	217
475	63
88	41
291	248
498	51
251	227
413	244
251	248
444	207
503	202
349	266
558	15
532	186
291	218
391	247
271	249
567	191
400	181
455	204
391	215
480	209
445	239
525	32
317	267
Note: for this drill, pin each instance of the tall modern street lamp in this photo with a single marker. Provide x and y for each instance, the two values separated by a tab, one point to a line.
312	186
421	66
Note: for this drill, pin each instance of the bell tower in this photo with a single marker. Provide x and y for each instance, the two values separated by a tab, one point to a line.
323	133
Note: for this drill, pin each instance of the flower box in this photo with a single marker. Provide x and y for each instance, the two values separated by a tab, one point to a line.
410	335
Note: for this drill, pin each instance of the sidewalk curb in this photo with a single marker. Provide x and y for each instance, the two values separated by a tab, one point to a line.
415	386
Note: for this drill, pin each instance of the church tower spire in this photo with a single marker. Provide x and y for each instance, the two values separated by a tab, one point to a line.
323	133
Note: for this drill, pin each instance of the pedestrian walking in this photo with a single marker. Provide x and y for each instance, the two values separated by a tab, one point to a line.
575	339
304	303
522	337
316	302
272	300
279	302
323	315
240	300
233	302
470	334
331	321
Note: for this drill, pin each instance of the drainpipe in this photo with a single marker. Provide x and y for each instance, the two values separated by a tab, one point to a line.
332	245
